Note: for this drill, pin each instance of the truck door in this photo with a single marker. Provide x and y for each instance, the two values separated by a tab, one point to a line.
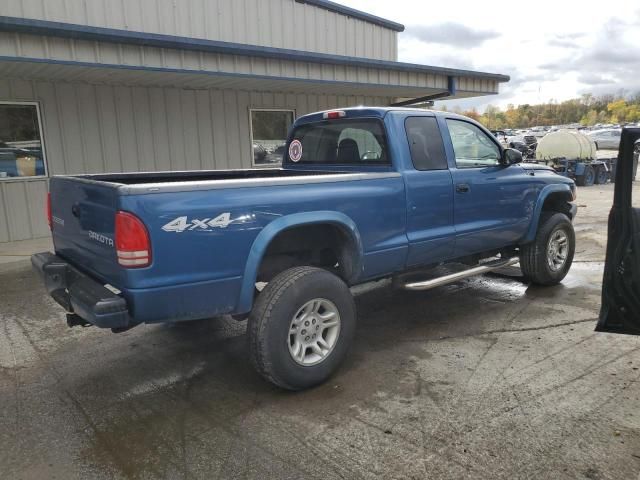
490	199
429	194
620	310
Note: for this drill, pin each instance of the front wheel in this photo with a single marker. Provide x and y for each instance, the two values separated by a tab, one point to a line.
547	260
301	327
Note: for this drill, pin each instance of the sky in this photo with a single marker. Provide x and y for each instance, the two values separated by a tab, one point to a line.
552	50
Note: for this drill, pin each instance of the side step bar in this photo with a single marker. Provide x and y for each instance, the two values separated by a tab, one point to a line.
453	277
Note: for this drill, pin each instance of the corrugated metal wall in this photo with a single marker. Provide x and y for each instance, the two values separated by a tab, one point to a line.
479	85
38	47
103	128
275	23
22	210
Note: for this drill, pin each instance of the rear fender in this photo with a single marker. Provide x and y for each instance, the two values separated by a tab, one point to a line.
544	194
264	238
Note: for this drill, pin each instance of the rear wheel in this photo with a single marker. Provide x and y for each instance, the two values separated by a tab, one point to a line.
547	260
587	178
301	327
602	175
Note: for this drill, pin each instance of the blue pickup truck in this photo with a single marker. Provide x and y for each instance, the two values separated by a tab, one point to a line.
363	194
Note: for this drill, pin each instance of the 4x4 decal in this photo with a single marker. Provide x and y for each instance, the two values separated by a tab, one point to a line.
181	224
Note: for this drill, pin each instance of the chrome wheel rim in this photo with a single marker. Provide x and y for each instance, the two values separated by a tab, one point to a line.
557	250
314	331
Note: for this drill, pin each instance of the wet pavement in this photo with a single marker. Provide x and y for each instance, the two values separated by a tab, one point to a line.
486	378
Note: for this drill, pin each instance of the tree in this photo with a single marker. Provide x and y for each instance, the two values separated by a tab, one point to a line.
617	109
473	113
586	110
589	118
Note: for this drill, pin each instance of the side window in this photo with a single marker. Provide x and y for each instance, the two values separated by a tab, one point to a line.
472	147
425	143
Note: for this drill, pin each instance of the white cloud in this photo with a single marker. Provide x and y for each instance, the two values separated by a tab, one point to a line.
552	50
450	33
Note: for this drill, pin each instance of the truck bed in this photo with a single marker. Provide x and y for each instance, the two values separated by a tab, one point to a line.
189	249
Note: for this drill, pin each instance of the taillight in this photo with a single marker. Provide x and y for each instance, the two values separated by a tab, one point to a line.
49	215
333	115
132	241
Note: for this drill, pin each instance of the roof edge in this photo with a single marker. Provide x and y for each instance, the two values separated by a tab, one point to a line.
352	12
89	33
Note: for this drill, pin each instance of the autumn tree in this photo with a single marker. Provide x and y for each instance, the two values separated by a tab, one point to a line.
586	110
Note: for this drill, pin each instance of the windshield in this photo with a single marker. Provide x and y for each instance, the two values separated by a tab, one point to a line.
339	142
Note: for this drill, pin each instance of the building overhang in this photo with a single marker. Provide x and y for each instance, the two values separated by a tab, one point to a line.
131	75
45	50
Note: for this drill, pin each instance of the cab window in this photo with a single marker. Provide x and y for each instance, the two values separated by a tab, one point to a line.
425	143
472	147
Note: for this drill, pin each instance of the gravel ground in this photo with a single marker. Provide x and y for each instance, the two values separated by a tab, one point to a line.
486	378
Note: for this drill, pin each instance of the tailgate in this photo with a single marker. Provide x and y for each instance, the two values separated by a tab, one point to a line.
83	220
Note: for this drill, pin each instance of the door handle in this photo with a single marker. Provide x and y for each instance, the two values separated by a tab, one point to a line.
462	187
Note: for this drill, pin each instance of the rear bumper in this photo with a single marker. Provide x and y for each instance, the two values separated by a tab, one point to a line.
80	294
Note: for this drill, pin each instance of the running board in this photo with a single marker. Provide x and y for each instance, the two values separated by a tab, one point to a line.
453	277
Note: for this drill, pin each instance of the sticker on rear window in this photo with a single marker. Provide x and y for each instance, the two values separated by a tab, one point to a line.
295	151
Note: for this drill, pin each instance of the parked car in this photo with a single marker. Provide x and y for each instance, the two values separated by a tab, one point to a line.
531	141
607	139
620	309
519	145
363	194
501	136
276	156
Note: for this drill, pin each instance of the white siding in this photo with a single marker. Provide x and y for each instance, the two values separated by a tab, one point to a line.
22	210
470	85
109	128
273	23
233	66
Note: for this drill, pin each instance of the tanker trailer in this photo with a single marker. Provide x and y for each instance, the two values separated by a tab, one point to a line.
574	155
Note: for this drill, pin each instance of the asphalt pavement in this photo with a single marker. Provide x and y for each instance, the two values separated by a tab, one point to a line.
485	378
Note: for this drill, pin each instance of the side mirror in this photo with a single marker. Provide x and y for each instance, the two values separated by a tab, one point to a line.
511	156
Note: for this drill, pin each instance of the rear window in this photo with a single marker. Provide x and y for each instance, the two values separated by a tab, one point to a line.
340	142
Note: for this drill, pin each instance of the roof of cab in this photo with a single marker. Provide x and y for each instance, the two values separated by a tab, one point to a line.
371	112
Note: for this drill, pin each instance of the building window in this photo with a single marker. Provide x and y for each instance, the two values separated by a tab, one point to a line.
269	130
21	149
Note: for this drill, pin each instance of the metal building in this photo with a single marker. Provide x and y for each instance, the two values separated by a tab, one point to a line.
138	85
